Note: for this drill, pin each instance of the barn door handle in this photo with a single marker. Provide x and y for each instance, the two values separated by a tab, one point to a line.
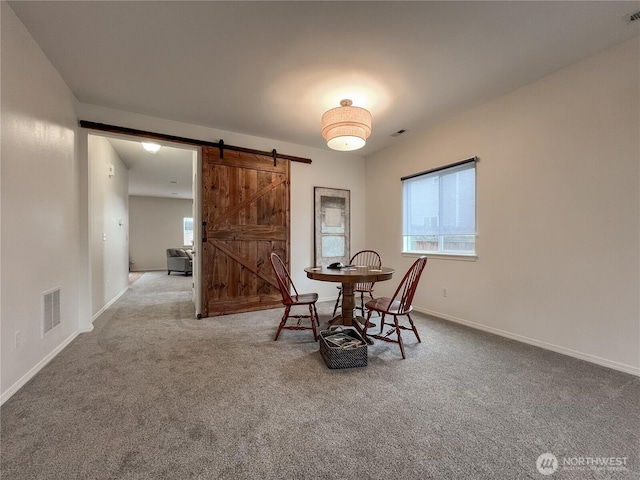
204	231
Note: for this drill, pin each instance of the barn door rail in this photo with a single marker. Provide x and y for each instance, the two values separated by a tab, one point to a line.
102	127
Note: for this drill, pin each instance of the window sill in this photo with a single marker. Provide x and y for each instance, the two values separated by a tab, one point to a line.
443	256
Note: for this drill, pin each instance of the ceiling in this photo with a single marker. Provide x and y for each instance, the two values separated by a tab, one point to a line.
167	173
270	69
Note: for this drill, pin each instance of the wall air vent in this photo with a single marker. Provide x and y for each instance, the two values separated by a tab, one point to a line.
51	309
634	16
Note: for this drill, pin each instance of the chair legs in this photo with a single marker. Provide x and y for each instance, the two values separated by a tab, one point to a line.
361	307
395	328
335	308
313	316
283	321
315	311
413	327
395	320
366	324
382	323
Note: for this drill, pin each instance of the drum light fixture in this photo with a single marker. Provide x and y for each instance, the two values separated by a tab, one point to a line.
346	127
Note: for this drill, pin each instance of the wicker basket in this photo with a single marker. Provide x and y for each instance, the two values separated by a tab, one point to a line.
337	357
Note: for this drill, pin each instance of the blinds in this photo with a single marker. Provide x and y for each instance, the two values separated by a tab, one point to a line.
441	202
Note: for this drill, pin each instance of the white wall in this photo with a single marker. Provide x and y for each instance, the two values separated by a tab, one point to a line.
41	198
557	211
328	169
109	224
156	224
45	202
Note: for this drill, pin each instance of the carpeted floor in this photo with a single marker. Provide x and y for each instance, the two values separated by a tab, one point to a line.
153	393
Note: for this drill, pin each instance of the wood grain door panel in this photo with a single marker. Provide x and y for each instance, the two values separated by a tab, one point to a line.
245	206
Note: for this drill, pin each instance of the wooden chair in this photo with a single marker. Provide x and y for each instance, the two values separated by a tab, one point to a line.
285	284
399	304
370	259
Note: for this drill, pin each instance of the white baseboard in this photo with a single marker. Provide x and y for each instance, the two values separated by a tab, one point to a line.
538	343
102	310
31	373
39	366
86	329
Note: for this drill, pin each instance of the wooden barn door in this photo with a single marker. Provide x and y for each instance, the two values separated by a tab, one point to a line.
245	215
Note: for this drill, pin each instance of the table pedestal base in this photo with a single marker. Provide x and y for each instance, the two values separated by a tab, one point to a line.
349	279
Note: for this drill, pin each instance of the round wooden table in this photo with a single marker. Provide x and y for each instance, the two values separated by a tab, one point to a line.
348	277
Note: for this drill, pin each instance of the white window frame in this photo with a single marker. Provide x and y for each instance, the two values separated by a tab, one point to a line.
408	243
185	234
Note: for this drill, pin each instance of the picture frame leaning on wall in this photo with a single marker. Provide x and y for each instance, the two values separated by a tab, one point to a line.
332	226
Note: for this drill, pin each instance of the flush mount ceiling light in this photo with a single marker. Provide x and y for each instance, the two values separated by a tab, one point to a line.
346	127
151	147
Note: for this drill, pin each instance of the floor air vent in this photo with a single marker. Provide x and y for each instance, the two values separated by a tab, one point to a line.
51	309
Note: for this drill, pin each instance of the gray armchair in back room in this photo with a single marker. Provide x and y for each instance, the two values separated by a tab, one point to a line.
179	260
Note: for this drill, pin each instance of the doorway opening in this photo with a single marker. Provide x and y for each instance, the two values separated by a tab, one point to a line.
138	203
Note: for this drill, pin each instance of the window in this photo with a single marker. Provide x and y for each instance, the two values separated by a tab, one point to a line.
439	210
187	228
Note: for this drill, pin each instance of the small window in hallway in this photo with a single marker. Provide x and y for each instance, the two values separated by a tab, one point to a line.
187	228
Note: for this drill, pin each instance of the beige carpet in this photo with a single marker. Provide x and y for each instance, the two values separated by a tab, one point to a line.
153	393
